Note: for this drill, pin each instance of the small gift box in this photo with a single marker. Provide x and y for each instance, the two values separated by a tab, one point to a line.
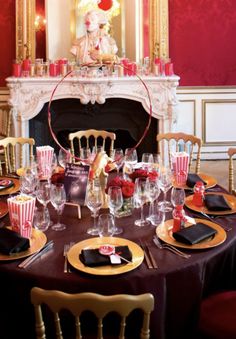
44	159
180	161
21	212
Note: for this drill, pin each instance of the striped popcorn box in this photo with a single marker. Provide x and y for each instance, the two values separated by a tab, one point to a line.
21	212
180	162
44	159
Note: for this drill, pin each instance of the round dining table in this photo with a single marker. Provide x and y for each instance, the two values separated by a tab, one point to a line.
177	284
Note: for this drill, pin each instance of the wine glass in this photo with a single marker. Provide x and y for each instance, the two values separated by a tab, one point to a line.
64	157
115	202
141	195
85	155
41	219
147	161
58	199
177	196
28	183
106	225
118	157
153	193
165	182
130	160
43	194
94	201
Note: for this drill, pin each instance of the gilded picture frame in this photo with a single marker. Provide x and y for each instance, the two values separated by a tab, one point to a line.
25	29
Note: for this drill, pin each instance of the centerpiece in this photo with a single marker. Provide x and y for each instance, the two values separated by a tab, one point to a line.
127	188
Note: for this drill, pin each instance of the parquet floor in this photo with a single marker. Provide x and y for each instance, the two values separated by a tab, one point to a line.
218	169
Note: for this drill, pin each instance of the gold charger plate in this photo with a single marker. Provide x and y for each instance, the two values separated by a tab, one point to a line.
231	200
209	180
164	232
37	241
3	209
73	256
13	189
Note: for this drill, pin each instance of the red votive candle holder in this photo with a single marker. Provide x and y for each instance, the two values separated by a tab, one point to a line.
169	69
53	69
125	62
26	65
16	69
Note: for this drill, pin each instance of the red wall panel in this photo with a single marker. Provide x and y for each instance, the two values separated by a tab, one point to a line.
7	38
202	41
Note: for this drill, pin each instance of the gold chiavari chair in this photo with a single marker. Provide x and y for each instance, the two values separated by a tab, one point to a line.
92	137
5	125
181	141
100	305
17	152
231	154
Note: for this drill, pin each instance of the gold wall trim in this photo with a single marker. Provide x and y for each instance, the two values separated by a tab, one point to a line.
159	28
25	31
215	143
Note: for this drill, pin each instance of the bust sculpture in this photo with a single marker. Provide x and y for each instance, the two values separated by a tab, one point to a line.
96	45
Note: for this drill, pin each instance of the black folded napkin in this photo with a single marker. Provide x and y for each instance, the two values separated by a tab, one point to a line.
192	179
216	202
194	234
12	242
94	258
5	183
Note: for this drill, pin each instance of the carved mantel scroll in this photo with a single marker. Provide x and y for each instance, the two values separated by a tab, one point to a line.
28	95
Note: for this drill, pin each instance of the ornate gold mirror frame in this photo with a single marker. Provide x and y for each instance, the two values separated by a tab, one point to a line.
25	30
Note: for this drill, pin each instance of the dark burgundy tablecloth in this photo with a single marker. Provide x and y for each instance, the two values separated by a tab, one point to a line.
178	285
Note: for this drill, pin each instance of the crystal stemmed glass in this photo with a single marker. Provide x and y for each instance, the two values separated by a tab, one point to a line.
64	157
147	161
153	190
85	155
94	201
118	157
130	160
106	225
58	199
115	202
141	196
28	183
44	194
165	182
177	196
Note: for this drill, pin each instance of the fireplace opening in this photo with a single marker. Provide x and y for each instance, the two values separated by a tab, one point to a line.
126	118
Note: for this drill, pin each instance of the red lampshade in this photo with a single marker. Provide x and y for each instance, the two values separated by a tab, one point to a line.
105	5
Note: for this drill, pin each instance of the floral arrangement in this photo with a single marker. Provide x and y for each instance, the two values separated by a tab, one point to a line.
127	187
139	173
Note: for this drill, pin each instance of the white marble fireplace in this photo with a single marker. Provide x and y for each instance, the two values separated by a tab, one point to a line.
28	96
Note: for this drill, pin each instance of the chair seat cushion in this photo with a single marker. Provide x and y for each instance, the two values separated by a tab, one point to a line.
218	316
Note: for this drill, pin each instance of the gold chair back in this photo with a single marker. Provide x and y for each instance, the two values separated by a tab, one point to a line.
5	121
231	154
181	141
18	152
92	137
100	305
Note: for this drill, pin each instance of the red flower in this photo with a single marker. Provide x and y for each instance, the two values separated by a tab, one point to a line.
140	173
127	187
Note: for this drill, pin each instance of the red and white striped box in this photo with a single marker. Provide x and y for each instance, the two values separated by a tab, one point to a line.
21	212
44	160
180	162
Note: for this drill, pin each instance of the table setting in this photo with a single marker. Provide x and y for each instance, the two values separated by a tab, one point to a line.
146	258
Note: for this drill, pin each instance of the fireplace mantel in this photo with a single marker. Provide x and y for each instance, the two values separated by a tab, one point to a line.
28	95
